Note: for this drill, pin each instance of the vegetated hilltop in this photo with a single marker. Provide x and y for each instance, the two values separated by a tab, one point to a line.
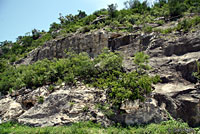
65	75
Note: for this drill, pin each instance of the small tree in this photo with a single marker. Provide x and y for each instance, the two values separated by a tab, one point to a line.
137	6
131	4
54	26
61	18
112	10
35	34
176	7
4	43
160	3
141	61
81	14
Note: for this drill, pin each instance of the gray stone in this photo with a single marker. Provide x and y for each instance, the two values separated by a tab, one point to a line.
140	113
182	104
9	109
66	106
172	56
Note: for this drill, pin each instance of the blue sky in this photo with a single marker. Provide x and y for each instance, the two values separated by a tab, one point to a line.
18	17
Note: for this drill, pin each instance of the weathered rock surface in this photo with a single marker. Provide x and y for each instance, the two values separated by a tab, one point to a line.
173	57
65	106
9	109
140	113
92	43
183	104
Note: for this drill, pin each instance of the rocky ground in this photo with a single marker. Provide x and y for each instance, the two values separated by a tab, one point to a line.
173	57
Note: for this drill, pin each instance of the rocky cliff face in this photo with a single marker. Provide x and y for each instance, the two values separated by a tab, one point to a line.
173	57
92	43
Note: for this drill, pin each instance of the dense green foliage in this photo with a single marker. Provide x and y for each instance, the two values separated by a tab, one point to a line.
23	45
105	72
168	127
186	24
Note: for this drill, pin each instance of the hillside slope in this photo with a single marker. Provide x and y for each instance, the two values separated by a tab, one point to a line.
46	80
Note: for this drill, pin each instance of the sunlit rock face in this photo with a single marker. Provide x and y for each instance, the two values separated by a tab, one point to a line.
173	57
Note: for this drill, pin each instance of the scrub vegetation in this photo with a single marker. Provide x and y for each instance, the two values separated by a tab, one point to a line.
105	71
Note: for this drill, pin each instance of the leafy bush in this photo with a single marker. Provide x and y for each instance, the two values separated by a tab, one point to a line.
85	29
176	7
3	65
121	85
40	99
54	27
105	72
147	28
186	24
87	20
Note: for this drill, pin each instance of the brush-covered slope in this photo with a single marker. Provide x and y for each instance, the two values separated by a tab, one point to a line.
46	79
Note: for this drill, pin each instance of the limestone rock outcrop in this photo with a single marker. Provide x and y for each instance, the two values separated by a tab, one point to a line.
65	106
172	56
68	104
184	105
92	43
140	113
10	109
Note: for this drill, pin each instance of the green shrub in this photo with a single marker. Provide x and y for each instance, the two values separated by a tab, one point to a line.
40	99
186	24
54	27
121	85
85	108
115	24
197	74
105	108
176	7
51	88
105	72
87	20
85	29
3	65
35	34
166	31
147	29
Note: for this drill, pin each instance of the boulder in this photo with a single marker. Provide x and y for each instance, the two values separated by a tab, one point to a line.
182	46
66	106
183	105
140	113
9	109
